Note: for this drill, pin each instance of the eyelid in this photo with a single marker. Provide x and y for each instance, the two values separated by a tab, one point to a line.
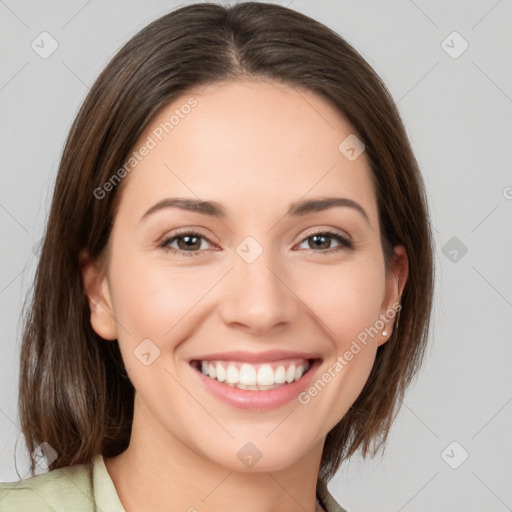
310	232
345	242
185	231
326	229
344	239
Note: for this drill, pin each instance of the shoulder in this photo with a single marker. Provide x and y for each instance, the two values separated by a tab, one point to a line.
62	489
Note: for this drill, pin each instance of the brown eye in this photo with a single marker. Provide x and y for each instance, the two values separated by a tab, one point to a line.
188	243
323	239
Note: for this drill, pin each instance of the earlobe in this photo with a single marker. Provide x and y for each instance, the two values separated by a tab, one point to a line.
395	282
97	289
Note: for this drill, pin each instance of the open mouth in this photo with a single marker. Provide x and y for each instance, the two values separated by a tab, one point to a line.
254	377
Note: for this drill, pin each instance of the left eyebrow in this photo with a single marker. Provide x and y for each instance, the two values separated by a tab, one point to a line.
318	205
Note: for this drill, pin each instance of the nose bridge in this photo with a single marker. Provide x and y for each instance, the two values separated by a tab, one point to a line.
258	296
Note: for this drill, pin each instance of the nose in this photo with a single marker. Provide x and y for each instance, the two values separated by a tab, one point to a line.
258	296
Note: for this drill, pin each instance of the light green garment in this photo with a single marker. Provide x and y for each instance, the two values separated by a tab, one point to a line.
81	488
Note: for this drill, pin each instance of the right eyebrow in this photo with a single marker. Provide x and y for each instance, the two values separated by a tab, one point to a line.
210	208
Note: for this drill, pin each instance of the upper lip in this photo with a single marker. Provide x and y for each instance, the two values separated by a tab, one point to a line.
253	357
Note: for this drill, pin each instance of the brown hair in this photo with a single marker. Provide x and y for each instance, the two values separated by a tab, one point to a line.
74	391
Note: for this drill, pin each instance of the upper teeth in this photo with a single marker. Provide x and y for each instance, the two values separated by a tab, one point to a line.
246	374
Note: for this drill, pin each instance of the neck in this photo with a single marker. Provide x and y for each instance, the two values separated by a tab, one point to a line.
159	472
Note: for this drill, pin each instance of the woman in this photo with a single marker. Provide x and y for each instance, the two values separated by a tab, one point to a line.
236	281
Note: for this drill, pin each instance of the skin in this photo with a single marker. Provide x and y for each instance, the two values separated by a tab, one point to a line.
254	147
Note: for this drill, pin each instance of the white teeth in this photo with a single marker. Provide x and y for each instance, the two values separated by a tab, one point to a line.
232	375
221	373
247	376
265	375
290	373
280	375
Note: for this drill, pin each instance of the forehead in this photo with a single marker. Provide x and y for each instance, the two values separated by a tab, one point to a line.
251	144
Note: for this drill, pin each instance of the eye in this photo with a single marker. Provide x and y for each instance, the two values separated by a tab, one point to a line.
189	243
323	238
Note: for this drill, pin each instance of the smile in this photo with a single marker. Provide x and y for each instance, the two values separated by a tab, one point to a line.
255	381
254	377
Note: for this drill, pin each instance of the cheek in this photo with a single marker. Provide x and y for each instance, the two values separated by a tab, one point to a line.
347	302
151	302
346	298
151	298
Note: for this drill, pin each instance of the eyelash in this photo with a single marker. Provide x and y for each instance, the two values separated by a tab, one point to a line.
344	243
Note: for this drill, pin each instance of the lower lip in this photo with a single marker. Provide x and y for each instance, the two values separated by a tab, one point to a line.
258	400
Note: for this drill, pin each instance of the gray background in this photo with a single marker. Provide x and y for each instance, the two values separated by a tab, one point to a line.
457	112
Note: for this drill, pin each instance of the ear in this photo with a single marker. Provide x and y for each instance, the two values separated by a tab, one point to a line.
396	277
98	292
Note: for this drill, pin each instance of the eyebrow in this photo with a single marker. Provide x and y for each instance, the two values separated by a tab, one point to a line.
214	209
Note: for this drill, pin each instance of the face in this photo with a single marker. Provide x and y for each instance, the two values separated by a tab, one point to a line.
280	304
